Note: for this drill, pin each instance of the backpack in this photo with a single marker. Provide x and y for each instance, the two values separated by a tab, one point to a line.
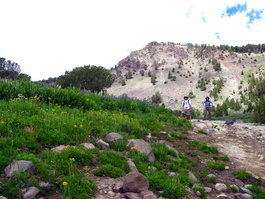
186	104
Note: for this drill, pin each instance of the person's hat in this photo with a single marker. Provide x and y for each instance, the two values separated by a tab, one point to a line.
207	98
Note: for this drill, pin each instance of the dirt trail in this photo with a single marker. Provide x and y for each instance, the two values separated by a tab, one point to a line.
243	143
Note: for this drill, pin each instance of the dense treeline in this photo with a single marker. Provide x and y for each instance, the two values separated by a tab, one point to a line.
249	48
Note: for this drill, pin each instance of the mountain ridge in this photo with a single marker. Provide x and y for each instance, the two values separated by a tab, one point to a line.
187	65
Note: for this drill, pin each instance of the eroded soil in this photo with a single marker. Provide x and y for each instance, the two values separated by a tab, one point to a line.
243	143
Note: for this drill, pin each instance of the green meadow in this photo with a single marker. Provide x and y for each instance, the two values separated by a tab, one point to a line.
34	119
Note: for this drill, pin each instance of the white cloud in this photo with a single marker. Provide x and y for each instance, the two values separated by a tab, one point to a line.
49	37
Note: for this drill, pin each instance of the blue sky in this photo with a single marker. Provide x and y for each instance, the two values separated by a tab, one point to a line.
49	37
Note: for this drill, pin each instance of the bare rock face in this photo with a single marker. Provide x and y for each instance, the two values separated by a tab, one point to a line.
21	165
143	147
112	137
135	182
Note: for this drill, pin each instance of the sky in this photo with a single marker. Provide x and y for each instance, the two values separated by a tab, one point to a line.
48	37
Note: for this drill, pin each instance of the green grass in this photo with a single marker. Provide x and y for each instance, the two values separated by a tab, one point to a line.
34	120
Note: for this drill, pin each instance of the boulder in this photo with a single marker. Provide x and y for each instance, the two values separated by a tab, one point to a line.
135	182
18	166
143	147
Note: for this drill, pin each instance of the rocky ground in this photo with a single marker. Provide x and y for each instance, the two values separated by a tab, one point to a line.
242	143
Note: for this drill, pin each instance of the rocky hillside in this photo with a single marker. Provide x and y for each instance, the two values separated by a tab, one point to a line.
179	70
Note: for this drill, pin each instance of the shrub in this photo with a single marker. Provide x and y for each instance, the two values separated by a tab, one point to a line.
216	165
119	146
114	159
242	175
78	186
171	187
110	171
157	98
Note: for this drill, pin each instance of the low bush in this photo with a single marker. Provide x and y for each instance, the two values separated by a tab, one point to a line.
110	171
216	165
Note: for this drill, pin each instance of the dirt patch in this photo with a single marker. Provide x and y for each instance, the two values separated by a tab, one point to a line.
243	143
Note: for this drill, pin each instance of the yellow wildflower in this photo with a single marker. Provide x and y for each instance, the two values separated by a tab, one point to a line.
63	112
68	145
72	159
2	122
65	183
81	126
86	168
75	126
133	148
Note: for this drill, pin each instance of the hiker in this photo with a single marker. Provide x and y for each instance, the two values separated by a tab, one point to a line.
186	107
207	108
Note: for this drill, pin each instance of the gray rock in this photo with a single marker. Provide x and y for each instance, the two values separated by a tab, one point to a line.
112	137
220	187
192	177
103	145
118	187
18	166
143	147
147	195
244	190
207	189
88	145
243	196
132	166
239	183
222	196
30	193
229	122
135	182
59	148
132	196
234	187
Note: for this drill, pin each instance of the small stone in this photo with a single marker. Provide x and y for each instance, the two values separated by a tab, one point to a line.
244	190
207	189
234	187
222	196
171	174
111	193
192	177
220	187
211	176
88	145
243	196
198	193
30	193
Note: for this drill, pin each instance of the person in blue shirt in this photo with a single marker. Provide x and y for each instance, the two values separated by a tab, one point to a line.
207	108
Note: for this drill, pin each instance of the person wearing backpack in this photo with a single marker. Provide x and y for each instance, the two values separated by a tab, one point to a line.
207	108
186	107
